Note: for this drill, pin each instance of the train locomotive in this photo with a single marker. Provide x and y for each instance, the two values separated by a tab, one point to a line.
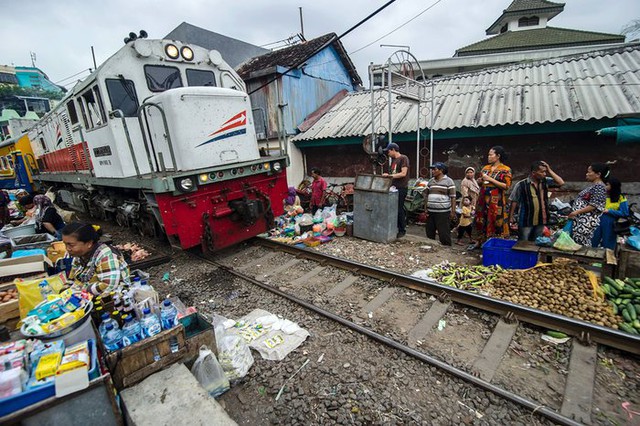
160	138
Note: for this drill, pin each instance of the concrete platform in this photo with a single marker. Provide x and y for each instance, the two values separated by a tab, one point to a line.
172	397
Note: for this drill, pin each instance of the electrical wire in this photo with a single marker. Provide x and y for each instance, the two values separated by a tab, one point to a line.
71	76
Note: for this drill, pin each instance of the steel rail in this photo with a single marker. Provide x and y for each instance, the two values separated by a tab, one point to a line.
584	331
510	396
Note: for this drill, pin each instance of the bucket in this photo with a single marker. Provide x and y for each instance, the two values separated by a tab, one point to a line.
20	231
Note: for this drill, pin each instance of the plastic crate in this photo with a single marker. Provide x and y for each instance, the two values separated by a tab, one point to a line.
24	399
499	252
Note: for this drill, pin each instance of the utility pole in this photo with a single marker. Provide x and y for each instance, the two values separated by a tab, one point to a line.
33	59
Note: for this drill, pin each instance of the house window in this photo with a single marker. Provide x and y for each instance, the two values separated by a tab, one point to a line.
529	22
161	78
201	78
122	95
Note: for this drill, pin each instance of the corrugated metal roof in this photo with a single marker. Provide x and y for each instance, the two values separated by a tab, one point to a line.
594	85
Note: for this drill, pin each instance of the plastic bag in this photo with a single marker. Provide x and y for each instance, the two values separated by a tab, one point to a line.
209	373
544	241
566	243
29	291
634	240
235	356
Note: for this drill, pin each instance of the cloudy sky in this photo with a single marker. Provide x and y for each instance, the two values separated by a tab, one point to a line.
62	36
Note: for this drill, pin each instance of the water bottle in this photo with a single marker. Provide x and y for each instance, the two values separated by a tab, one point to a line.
149	323
112	339
45	289
136	282
131	331
168	315
106	320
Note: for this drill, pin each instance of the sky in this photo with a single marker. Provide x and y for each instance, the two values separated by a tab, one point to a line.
61	33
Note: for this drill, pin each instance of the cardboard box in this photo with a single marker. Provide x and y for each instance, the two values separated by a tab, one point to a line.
24	265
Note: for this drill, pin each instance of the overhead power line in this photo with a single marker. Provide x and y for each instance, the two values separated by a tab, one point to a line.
71	76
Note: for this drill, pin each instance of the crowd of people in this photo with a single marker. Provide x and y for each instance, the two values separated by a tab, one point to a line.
496	207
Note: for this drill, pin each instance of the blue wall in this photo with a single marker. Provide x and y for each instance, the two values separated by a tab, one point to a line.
33	77
307	89
302	90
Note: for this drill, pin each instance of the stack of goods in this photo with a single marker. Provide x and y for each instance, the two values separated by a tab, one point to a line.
466	277
126	324
564	289
310	230
624	298
33	366
56	312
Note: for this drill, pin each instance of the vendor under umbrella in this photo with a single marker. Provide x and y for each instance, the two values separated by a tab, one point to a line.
96	267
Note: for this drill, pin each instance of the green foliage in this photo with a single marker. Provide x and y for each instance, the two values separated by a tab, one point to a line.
13	90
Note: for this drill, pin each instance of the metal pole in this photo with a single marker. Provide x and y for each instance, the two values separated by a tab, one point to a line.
93	55
418	139
301	22
389	104
433	85
373	114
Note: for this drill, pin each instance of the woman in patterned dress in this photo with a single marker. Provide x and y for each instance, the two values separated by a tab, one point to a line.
492	217
590	204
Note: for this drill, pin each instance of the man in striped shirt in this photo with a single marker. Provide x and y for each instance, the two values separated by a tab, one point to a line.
441	203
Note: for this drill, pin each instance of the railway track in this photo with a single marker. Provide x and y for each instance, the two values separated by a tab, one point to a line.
480	340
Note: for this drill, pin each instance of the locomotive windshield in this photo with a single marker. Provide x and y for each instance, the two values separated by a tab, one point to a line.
201	78
161	78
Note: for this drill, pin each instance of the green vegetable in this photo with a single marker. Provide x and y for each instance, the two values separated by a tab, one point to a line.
632	311
556	334
625	315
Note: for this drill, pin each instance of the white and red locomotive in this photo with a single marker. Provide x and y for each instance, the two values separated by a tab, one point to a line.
160	137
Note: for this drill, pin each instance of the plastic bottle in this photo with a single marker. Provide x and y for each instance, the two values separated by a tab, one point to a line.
168	315
131	331
136	282
112	338
116	315
106	320
149	323
45	289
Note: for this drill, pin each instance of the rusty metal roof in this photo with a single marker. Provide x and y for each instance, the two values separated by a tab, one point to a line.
594	85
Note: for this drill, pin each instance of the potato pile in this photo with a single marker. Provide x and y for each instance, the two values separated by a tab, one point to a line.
6	296
563	289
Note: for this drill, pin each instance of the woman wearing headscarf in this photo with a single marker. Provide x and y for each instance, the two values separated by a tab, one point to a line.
292	201
492	218
469	187
47	218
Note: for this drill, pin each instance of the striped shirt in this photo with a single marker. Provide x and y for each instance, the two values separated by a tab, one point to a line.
440	194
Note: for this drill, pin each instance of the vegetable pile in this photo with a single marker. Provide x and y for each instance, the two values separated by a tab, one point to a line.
561	289
8	295
624	297
463	276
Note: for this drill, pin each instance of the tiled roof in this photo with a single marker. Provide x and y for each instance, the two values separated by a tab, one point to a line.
294	55
540	38
526	5
593	85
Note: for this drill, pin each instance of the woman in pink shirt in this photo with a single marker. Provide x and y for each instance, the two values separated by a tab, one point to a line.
318	186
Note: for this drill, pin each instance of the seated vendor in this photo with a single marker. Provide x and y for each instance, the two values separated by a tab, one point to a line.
27	208
96	267
48	220
292	202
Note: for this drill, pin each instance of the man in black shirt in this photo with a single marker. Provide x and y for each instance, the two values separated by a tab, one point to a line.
399	171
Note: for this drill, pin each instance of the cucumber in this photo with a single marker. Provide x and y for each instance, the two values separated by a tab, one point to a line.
626	296
613	291
625	301
615	309
619	284
630	282
636	306
609	280
605	288
632	312
556	334
617	301
628	289
636	324
625	315
628	328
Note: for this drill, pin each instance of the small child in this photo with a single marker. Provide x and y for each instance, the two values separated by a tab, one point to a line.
466	221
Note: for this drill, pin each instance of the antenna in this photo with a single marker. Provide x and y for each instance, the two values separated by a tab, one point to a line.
33	58
93	55
301	23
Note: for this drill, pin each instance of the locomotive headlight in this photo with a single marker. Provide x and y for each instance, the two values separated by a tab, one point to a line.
266	166
277	167
172	51
187	53
186	184
203	178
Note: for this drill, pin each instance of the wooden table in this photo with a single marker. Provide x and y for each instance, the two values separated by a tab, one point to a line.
587	255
